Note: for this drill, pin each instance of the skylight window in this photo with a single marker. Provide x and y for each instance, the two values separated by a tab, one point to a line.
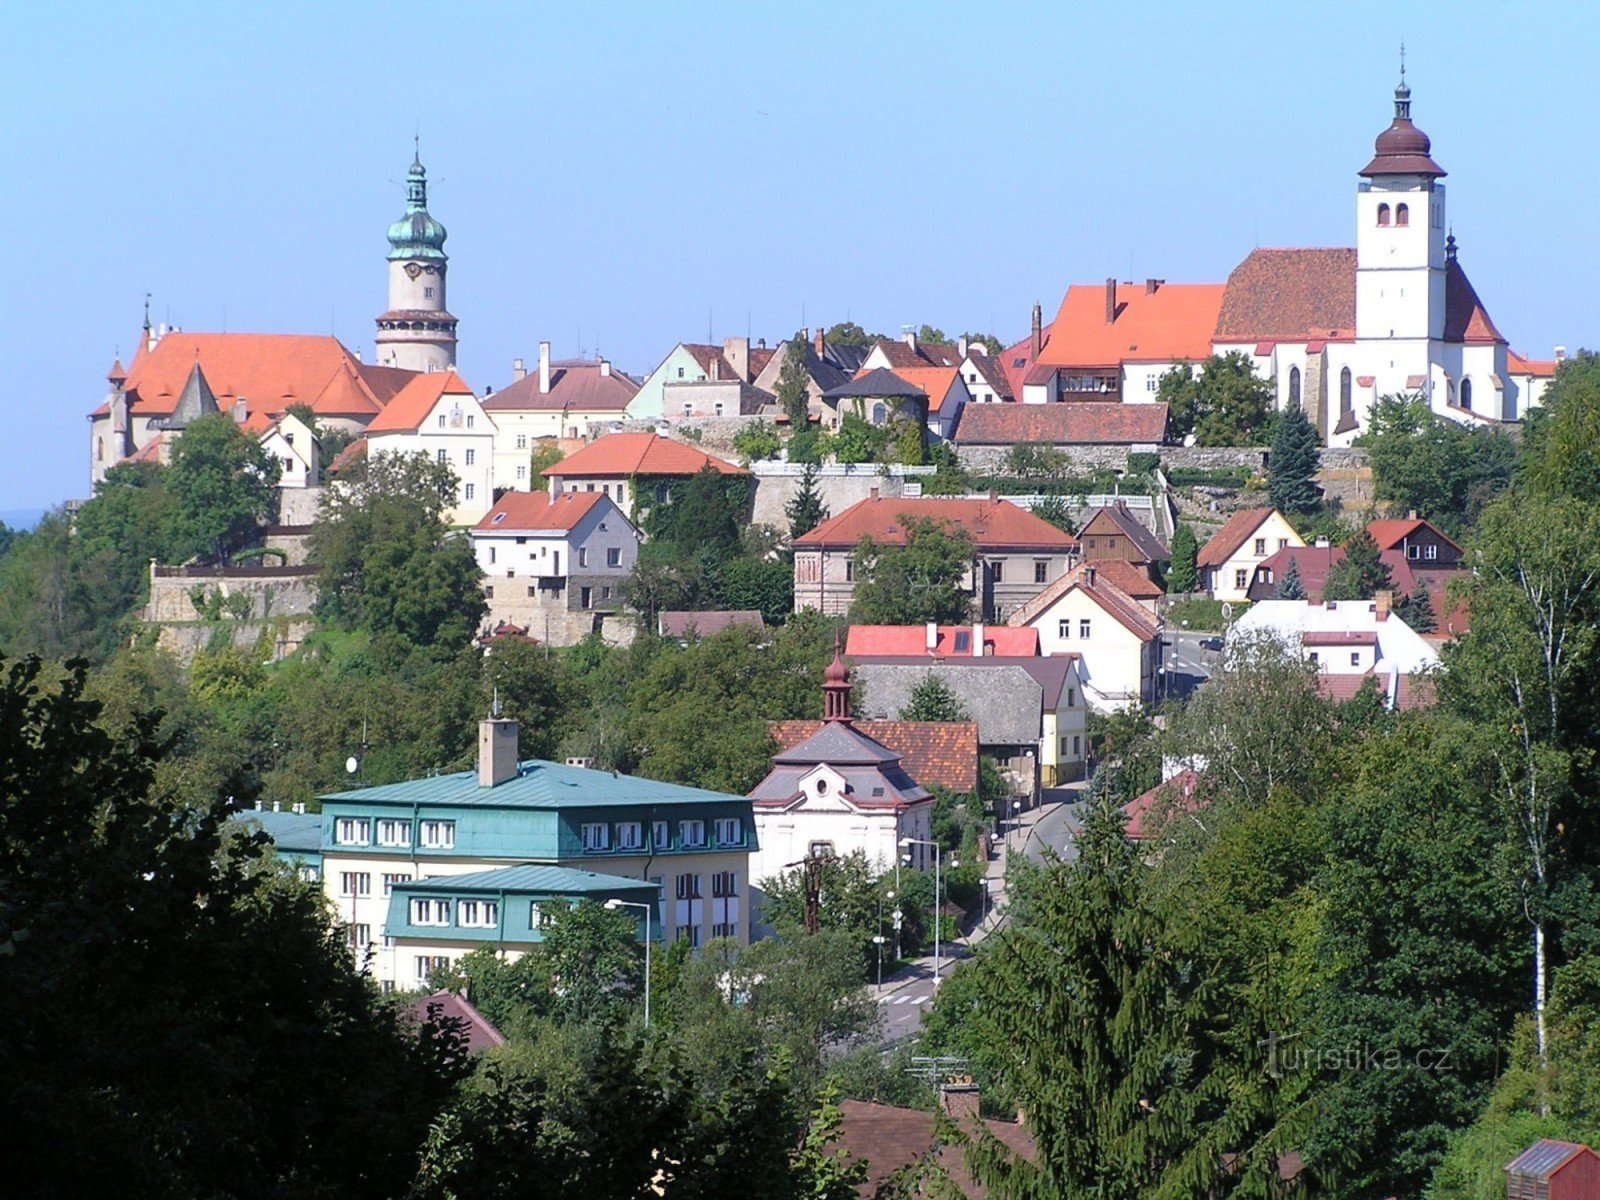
498	517
963	641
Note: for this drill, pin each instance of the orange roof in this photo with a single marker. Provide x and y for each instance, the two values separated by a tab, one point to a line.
1390	533
1127	577
999	641
1540	368
935	381
991	523
934	753
272	370
346	394
416	400
1232	535
258	423
521	512
1165	799
1094	583
1173	322
624	454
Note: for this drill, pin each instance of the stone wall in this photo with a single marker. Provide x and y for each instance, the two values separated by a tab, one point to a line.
291	540
839	485
271	591
298	506
714	435
276	639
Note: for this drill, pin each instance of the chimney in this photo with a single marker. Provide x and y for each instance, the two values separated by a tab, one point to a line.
1411	514
1382	603
241	410
544	368
977	639
909	337
1561	353
1111	300
497	751
737	351
605	368
933	636
276	807
961	346
1323	543
1088	575
716	366
1036	338
555	486
958	1097
1150	286
518	369
820	345
872	493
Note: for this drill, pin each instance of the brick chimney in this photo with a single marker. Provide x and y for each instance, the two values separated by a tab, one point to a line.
820	344
1036	338
958	1097
1111	300
497	751
518	369
909	337
544	368
1382	603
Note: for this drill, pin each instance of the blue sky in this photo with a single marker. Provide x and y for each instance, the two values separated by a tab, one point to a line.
617	177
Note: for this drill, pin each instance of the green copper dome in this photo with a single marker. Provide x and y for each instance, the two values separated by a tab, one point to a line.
416	235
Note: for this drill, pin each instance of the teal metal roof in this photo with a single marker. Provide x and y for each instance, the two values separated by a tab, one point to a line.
291	832
531	877
417	234
538	785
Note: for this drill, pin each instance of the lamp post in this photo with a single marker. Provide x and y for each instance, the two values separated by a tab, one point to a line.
937	960
614	905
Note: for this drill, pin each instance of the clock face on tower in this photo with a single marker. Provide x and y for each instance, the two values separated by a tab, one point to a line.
413	270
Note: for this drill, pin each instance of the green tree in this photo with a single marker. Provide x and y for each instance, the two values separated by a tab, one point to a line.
986	342
534	688
822	1171
545	455
933	700
1055	510
1226	404
223	487
1292	467
701	516
765	585
757	441
805	509
915	582
857	440
1360	574
1561	453
1416	610
794	385
1185	574
928	335
848	333
1435	466
1290	587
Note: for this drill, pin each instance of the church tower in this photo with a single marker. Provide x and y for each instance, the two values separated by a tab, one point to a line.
417	332
1400	253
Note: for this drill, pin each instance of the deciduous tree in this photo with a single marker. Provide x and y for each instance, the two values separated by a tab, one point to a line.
915	582
223	487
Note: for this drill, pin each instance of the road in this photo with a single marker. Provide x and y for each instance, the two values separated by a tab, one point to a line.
1187	662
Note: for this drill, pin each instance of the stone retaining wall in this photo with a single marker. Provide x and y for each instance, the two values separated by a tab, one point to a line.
272	591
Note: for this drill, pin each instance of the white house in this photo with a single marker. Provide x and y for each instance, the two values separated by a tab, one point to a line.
561	399
294	446
1229	560
436	414
692	362
1117	639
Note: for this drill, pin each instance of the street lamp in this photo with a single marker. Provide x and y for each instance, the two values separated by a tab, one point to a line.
937	961
614	905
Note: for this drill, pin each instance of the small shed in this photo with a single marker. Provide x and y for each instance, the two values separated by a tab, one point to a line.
1552	1170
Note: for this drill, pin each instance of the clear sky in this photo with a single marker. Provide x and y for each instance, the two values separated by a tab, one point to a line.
621	177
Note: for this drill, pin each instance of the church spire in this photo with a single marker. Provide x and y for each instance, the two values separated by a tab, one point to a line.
836	688
1402	93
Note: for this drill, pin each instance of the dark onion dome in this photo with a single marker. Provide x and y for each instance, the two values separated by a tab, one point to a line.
1402	149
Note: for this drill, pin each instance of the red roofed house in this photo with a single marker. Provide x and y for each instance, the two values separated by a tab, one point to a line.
693	369
436	414
1228	561
1115	534
942	641
1149	812
634	469
1117	639
1014	552
555	565
562	399
1554	1170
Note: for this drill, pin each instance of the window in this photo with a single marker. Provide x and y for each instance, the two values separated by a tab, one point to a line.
430	912
1314	657
963	641
1261	545
583	556
472	456
997	572
1383	214
1151	384
442	455
352	831
1402	214
820	850
540	916
1294	385
1283	543
849	570
880	412
389	880
1413	552
1072	697
309	873
355	883
1241	579
469	491
393	833
660	836
718	409
1064	630
614	556
1355	658
1063	745
596	837
729	831
492	549
630	835
724	884
488	592
690	934
1466	394
1264	574
689	887
1083	627
1345	400
1041	572
441	420
586	597
427	293
470	420
427	964
522	472
680	372
692	833
360	936
522	441
1430	552
477	914
439	835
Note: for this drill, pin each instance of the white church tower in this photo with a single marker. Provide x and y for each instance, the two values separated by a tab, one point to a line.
417	332
1400	256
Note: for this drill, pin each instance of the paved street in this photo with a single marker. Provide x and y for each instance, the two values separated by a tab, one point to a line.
1188	662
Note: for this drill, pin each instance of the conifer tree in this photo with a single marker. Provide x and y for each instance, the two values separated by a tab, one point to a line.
1361	574
1416	610
1185	574
805	510
1290	587
1296	450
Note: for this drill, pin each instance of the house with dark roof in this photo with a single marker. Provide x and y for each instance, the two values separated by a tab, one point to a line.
634	469
296	835
562	398
824	365
877	395
835	792
1115	637
1554	1170
1014	552
907	351
684	626
1228	561
1113	533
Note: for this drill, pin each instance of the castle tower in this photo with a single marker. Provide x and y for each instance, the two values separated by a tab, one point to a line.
1400	251
417	332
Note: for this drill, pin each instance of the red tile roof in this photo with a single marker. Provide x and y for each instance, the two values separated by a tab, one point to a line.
447	1006
680	623
711	360
1127	577
575	386
1175	794
1073	423
888	1139
1289	295
1017	360
1339	637
1233	534
1173	322
530	512
934	382
934	753
999	641
1465	318
992	524
989	369
1391	532
1537	367
925	355
625	454
416	400
1097	585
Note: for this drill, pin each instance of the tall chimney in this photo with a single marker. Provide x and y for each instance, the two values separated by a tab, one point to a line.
716	366
737	351
820	345
1382	603
959	1099
932	636
241	410
909	337
497	751
1088	575
518	369
605	368
544	368
1036	339
961	346
977	639
1111	300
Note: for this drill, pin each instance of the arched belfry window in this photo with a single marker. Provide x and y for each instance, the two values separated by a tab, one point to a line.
1294	385
1346	401
1383	214
1402	214
1466	394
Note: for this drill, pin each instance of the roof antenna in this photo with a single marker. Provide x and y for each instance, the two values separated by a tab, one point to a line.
494	708
147	312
